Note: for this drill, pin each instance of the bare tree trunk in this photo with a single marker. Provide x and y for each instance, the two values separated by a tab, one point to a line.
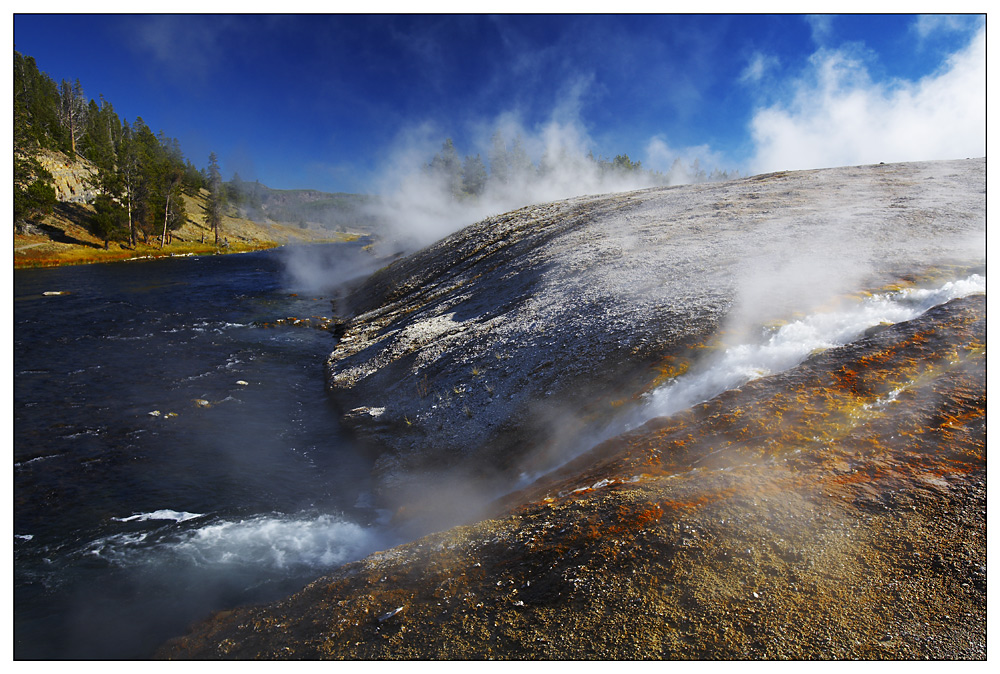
166	215
131	222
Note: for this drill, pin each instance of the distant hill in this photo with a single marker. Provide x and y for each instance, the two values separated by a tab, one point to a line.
339	211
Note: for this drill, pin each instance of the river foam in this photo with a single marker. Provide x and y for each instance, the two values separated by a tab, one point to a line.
274	542
174	515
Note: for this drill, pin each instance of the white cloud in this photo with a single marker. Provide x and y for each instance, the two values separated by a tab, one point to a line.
758	66
822	27
838	116
926	24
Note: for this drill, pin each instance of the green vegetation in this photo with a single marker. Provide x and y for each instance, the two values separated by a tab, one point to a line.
110	220
33	192
140	186
138	176
213	209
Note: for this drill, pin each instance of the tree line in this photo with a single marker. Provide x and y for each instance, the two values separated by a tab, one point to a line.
139	175
509	165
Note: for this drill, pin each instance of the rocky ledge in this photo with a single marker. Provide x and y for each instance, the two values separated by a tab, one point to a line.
833	511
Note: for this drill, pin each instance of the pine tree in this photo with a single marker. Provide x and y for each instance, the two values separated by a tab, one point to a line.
173	205
499	158
147	187
473	175
697	173
623	164
33	191
447	167
521	167
128	177
72	113
37	95
109	221
213	209
192	176
101	137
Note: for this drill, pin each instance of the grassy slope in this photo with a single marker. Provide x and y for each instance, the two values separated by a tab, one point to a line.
66	240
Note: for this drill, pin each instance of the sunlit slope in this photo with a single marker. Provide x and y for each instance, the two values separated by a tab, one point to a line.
64	236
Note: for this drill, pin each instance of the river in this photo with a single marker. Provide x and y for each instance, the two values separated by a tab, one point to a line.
172	454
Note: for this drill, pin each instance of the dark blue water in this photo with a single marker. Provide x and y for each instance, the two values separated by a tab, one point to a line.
171	455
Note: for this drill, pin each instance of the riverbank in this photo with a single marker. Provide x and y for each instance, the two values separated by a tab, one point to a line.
34	252
62	238
42	250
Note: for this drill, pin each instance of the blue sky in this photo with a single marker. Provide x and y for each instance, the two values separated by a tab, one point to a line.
333	102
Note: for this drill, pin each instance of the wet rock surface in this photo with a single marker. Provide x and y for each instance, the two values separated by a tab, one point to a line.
836	510
488	355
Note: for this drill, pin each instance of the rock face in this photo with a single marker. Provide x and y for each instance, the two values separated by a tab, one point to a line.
492	353
836	510
70	178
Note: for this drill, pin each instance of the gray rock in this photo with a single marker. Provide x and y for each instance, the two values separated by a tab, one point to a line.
496	351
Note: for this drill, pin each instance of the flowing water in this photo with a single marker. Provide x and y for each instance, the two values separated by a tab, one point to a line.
774	350
788	345
172	456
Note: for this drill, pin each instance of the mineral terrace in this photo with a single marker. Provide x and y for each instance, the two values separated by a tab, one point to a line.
832	510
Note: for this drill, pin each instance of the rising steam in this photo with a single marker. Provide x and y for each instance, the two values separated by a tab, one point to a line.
419	206
777	350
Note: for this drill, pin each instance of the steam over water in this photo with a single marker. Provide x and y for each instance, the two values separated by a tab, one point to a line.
781	348
173	457
790	344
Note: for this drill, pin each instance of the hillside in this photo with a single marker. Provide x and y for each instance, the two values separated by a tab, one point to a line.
63	238
321	210
731	421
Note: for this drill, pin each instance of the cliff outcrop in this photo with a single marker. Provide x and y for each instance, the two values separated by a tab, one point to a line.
71	179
